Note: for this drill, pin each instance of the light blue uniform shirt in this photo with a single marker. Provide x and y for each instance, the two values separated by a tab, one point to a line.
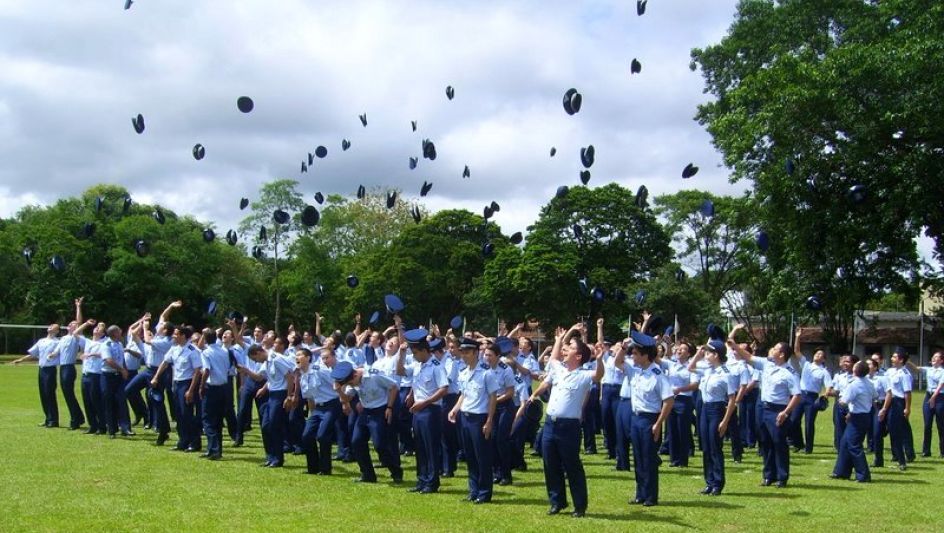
114	351
899	381
160	344
741	371
428	377
528	361
451	365
275	368
387	365
68	349
355	356
841	380
320	377
92	364
626	388
409	362
717	384
650	388
132	363
880	383
42	349
859	396
611	374
813	377
505	377
476	385
185	360
933	375
374	389
239	354
569	390
215	359
679	377
778	382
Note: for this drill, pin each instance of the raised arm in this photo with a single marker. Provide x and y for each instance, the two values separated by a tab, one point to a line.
165	315
78	310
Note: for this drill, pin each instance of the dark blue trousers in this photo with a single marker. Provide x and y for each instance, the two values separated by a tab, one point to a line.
274	420
372	425
591	419
214	408
851	455
138	407
897	430
318	436
294	429
776	451
478	455
839	423
246	398
405	422
427	429
47	394
646	457
734	433
624	429
680	429
92	400
133	387
932	417
807	411
344	430
229	408
519	431
67	380
188	425
112	398
450	440
501	440
879	431
747	416
609	404
712	442
560	441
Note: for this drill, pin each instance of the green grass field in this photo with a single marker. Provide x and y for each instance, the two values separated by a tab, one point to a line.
59	480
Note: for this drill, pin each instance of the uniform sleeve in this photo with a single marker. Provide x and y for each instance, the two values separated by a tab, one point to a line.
758	363
828	380
284	366
665	388
745	376
384	381
794	384
34	350
106	353
733	382
491	383
845	395
205	359
195	359
439	377
907	382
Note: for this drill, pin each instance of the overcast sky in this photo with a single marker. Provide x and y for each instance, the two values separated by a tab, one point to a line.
73	74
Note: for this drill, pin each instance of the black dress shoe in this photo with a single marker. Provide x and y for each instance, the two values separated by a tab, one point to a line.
161	439
578	514
428	490
215	457
715	492
190	449
649	503
635	501
555	509
833	476
479	501
363	479
90	431
781	484
766	483
414	489
706	490
469	498
265	464
274	465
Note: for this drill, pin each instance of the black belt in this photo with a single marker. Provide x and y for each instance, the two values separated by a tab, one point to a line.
553	419
612	384
777	406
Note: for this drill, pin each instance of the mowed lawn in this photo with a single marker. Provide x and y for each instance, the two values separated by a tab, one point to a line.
59	480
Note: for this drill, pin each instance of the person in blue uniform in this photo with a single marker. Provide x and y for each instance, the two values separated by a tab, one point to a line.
897	407
504	413
684	384
478	391
780	395
214	379
185	362
377	396
840	381
47	374
932	407
450	434
67	351
859	397
92	379
324	408
879	428
719	389
652	401
114	375
814	378
279	391
430	384
570	384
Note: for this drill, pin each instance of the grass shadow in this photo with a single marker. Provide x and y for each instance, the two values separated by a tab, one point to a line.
707	503
641	516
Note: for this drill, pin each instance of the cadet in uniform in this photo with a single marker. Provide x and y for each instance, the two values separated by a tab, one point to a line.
378	395
214	380
719	389
858	396
114	375
684	384
933	407
478	388
92	380
897	407
47	374
185	360
67	350
814	377
839	382
324	408
450	434
430	384
780	395
560	438
279	391
879	426
504	414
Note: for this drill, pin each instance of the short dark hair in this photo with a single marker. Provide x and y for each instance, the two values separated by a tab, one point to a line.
350	340
860	369
209	335
185	331
256	348
304	351
584	351
528	339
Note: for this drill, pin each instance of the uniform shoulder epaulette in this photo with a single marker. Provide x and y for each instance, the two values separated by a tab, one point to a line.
373	371
725	370
518	379
502	365
483	366
435	361
791	369
191	348
656	371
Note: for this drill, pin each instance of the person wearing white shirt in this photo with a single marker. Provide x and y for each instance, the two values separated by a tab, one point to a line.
933	408
858	396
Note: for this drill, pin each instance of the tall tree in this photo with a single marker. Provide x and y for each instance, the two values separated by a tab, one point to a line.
270	236
830	109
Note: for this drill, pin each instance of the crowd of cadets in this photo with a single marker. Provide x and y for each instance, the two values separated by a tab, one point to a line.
447	398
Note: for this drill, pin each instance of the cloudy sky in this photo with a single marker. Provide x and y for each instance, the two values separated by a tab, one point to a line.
72	74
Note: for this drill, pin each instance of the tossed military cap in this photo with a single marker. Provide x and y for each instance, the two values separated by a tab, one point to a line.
642	196
342	371
352	281
553	151
635	67
488	249
416	336
138	123
232	237
374	317
585	176
199	152
245	104
211	307
715	332
393	303
450	92
391	199
587	156
572	101
640	297
466	172
142	248
345	144
363	119
562	191
158	215
280	216
424	190
321	152
689	170
707	209
310	216
209	235
243	203
361	192
413	162
319	197
416	214
598	295
504	345
516	238
813	303
763	241
641	7
56	262
456	322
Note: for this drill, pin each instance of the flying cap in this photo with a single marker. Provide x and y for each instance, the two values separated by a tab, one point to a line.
211	307
57	263
553	151
310	216
572	101
413	162
416	214
562	191
209	235
504	345
763	241
345	144
707	209
374	317
424	190
258	253
142	248
642	196
450	92
199	152
280	216
585	176
641	7
516	238
361	192
363	119
245	104
813	303
391	199
715	332
321	152
243	203
352	281
689	170
598	295
158	215
319	197
393	303
232	237
587	156
635	67
138	123
466	173
456	322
